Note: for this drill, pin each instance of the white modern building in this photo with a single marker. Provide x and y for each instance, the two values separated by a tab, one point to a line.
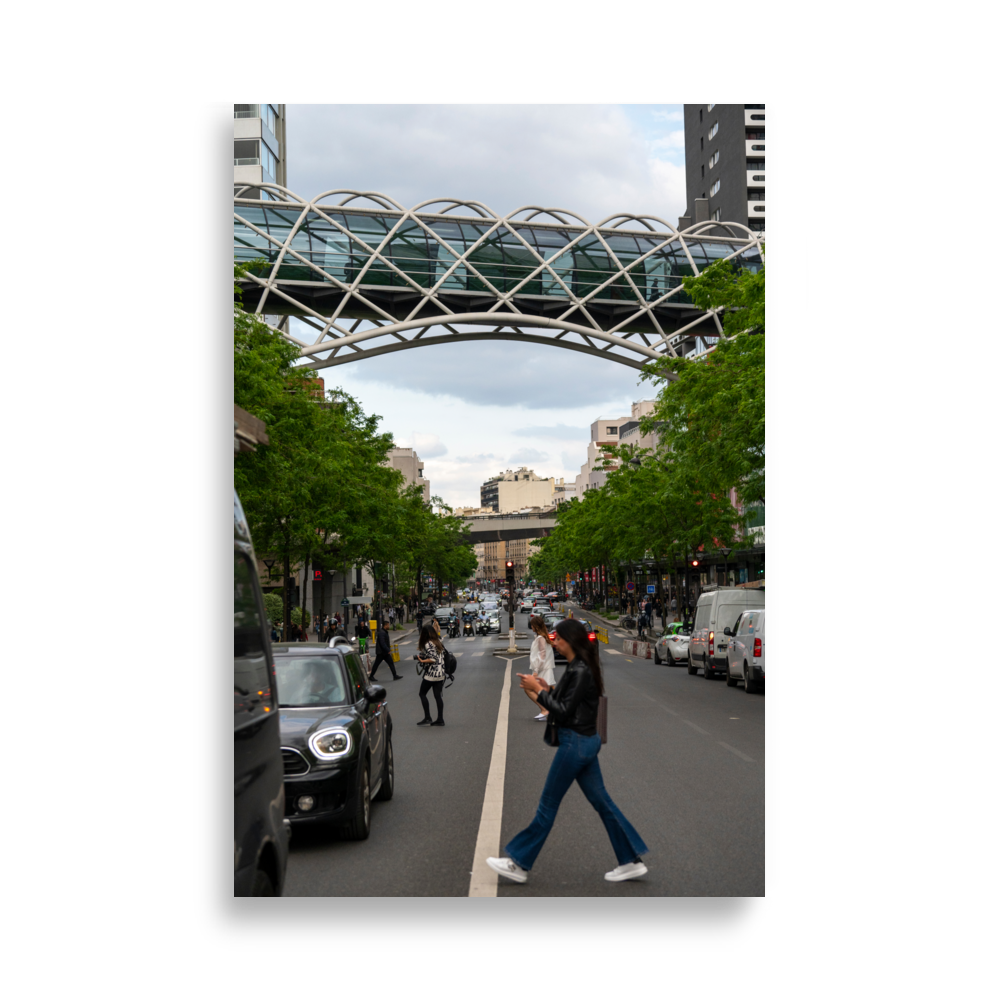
409	463
605	433
514	489
259	146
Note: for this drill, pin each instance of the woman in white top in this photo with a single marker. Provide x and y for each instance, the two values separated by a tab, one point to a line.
543	661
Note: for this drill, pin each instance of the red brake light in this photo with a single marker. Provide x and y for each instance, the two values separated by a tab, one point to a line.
756	647
591	636
552	637
711	643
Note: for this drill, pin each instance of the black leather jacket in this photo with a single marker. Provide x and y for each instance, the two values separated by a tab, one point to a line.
572	703
382	644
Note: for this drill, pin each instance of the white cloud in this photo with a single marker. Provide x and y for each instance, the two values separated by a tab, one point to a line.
525	455
668	116
425	445
592	159
560	432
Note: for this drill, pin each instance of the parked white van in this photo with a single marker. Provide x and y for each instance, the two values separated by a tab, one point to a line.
746	651
718	610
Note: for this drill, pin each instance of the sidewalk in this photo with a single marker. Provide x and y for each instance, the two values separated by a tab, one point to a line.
580	612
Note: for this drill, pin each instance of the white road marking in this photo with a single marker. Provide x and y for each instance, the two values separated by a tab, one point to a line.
484	880
737	752
696	728
617	652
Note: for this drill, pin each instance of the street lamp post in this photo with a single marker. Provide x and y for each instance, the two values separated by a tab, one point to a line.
725	558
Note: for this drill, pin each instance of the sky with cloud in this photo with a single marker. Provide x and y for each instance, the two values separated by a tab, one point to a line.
474	409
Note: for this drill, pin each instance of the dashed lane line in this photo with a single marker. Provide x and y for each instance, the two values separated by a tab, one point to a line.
697	729
483	881
738	753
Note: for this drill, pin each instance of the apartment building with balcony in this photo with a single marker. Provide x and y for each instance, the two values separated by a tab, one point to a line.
605	433
259	146
724	164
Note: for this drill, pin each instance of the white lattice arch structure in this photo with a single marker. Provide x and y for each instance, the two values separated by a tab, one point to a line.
450	283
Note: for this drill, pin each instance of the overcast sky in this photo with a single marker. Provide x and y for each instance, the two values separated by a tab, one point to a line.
474	409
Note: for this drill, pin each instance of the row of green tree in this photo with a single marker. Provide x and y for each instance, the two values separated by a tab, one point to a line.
669	503
320	492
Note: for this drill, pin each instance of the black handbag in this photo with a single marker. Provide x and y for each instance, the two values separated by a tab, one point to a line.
551	734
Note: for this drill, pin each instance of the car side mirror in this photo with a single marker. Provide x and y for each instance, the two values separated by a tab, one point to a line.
727	631
376	693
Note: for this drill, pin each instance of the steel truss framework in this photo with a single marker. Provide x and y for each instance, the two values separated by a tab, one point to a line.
375	279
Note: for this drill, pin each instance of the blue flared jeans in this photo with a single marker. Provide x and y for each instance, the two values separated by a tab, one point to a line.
576	760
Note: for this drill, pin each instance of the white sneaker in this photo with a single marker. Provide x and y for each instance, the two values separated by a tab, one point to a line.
507	868
540	717
623	872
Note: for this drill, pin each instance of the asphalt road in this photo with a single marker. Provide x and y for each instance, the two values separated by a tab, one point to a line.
684	762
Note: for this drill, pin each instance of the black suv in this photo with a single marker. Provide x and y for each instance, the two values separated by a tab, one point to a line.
260	838
336	738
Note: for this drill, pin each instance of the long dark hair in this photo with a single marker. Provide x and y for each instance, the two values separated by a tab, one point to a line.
573	632
428	635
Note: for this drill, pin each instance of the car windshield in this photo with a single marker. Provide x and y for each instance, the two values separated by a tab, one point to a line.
444	612
310	680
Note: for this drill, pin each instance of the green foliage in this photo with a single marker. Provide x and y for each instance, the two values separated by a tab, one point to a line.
712	417
319	491
274	607
297	613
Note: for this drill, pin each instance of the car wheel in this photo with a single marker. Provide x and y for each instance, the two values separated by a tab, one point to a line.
361	825
262	884
748	684
730	679
388	775
671	662
692	669
656	655
707	669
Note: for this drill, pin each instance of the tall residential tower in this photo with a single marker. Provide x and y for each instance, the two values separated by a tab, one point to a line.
259	145
724	161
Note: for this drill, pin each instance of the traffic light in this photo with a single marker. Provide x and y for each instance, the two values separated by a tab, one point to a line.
694	562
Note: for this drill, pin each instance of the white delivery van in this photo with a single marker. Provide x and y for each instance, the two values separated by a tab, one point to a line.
718	610
746	651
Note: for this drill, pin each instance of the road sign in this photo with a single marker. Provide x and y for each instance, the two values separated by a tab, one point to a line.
630	585
345	603
650	588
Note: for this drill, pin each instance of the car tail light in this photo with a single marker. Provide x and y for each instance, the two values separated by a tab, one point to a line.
592	636
711	643
756	647
552	637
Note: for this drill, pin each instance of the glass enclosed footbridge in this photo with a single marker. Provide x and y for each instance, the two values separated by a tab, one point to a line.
361	275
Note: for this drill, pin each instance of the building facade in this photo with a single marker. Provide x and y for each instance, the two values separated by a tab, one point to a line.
724	164
409	463
605	433
259	145
512	490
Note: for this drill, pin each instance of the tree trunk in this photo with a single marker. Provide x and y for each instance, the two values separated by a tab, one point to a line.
286	624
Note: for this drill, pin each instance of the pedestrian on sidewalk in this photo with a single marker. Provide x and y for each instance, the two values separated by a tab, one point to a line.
572	706
431	655
420	620
542	662
383	651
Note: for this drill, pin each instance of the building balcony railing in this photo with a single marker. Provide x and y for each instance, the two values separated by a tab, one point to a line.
246	161
246	111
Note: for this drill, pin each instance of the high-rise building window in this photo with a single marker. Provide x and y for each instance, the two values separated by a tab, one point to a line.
754	133
754	107
714	131
755	194
713	159
714	189
246	152
711	106
700	115
757	225
703	170
702	142
717	214
755	164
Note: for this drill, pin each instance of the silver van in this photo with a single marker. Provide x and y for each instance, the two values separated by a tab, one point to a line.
718	610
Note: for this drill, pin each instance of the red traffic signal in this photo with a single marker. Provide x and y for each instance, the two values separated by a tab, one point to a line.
694	562
510	564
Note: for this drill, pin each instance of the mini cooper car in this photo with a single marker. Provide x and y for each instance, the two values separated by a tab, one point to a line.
336	738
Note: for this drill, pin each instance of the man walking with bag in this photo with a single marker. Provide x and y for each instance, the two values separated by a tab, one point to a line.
383	651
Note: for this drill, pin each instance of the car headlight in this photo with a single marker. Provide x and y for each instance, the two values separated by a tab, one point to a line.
330	744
